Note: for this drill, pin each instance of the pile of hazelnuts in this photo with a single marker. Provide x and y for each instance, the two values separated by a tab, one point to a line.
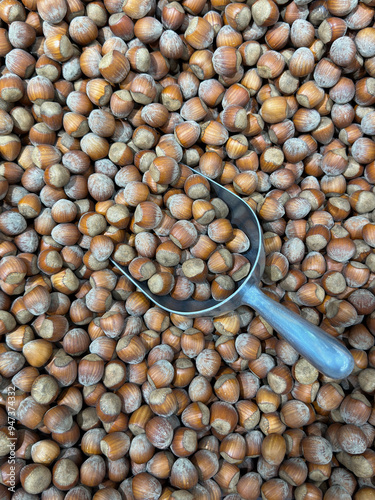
109	112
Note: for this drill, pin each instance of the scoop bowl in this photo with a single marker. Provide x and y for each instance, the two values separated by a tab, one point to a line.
322	350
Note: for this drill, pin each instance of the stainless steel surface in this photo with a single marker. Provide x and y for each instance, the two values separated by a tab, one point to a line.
322	350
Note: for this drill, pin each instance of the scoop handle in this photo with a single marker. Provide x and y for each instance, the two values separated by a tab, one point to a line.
322	350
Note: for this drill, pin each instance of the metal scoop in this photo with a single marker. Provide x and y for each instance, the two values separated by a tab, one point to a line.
322	350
